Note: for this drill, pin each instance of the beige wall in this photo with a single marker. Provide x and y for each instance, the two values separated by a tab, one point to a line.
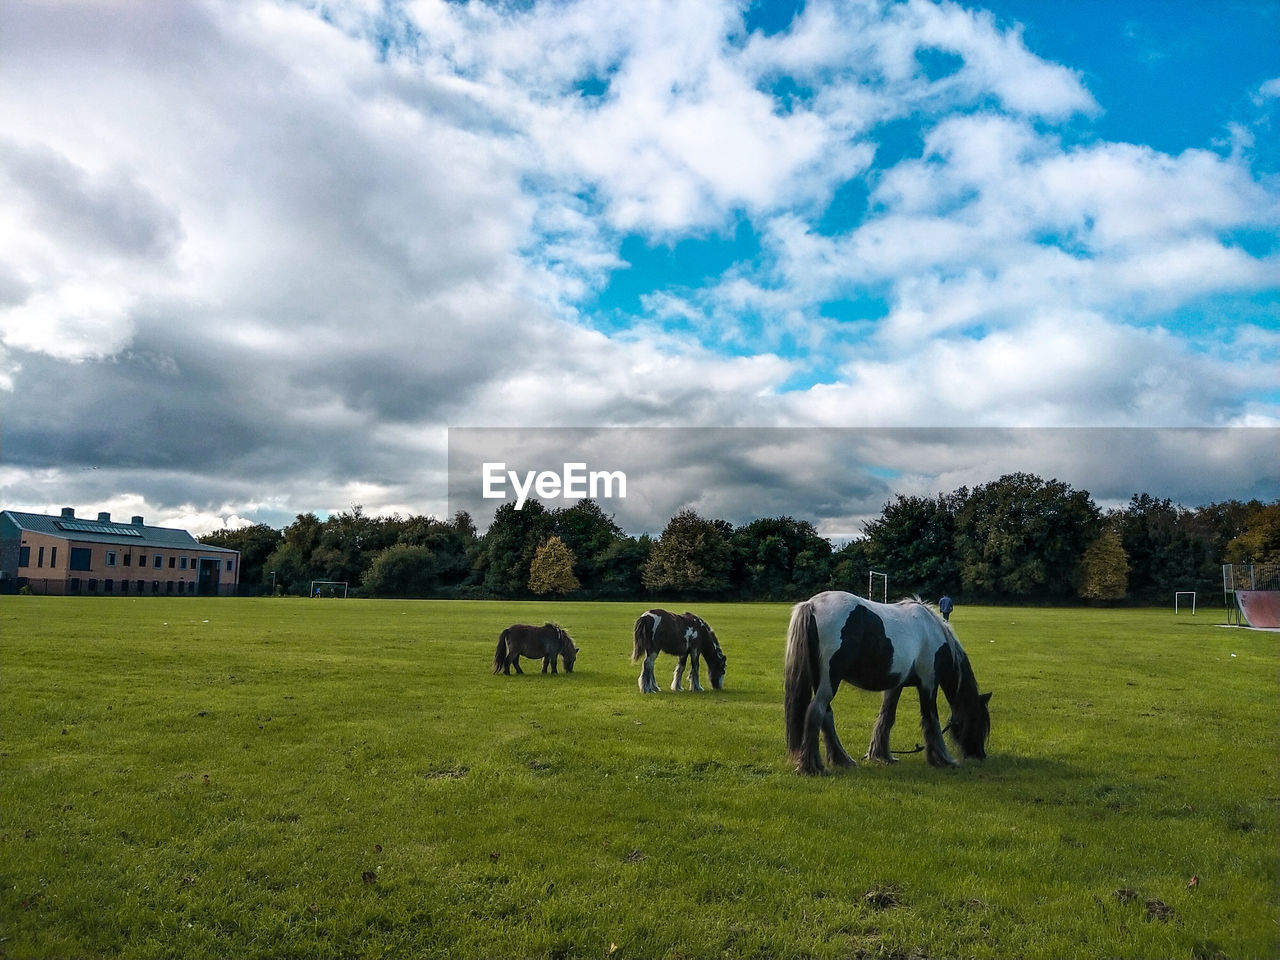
38	540
141	565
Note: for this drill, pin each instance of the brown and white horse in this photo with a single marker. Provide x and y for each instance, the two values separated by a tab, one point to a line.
682	635
521	640
837	636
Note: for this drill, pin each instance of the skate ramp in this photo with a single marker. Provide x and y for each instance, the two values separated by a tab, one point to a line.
1260	608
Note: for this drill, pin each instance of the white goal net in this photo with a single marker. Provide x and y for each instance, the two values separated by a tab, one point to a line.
329	588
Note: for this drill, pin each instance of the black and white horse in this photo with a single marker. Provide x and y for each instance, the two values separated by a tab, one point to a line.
682	635
521	640
837	636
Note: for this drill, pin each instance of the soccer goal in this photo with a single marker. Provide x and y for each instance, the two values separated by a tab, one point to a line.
1180	596
329	588
873	577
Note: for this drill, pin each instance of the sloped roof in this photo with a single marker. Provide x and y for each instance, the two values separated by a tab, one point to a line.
84	530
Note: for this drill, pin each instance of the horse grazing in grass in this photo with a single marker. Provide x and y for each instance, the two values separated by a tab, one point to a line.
521	640
682	635
836	636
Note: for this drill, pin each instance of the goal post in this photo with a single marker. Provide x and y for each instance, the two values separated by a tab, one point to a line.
328	588
1178	598
883	578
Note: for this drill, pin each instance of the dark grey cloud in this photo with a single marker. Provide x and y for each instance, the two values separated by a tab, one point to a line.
131	411
110	212
840	478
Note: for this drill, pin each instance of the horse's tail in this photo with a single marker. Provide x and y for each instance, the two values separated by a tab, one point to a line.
643	635
500	654
799	672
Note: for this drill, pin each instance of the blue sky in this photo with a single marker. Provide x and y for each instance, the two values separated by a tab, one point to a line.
1169	76
257	258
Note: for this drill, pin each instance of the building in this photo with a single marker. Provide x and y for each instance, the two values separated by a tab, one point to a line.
67	555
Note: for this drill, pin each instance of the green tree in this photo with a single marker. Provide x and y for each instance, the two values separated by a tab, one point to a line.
620	568
1172	548
777	558
453	546
849	566
589	533
692	556
401	570
1104	569
349	541
292	558
913	541
1259	542
507	548
293	569
1021	536
552	568
256	543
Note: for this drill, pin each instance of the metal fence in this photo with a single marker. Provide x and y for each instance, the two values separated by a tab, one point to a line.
1246	576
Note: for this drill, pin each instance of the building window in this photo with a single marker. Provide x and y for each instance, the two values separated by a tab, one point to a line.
155	586
173	562
157	562
229	562
128	557
93	584
40	557
111	558
182	564
81	558
108	586
53	556
142	585
24	556
124	586
75	584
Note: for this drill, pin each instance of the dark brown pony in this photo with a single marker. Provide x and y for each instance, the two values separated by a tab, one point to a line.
682	635
521	640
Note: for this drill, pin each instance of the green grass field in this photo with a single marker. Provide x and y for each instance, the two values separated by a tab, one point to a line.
345	779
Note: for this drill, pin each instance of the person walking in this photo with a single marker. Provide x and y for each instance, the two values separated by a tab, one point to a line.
946	605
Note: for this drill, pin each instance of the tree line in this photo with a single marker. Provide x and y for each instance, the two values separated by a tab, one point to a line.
1016	539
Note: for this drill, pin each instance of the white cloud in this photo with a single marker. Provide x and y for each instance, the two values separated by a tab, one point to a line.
1061	369
998	222
276	250
997	61
647	378
1269	90
71	321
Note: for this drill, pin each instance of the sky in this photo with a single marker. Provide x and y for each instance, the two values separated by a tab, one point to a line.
260	258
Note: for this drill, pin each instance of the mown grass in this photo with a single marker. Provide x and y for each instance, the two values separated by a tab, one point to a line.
333	779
